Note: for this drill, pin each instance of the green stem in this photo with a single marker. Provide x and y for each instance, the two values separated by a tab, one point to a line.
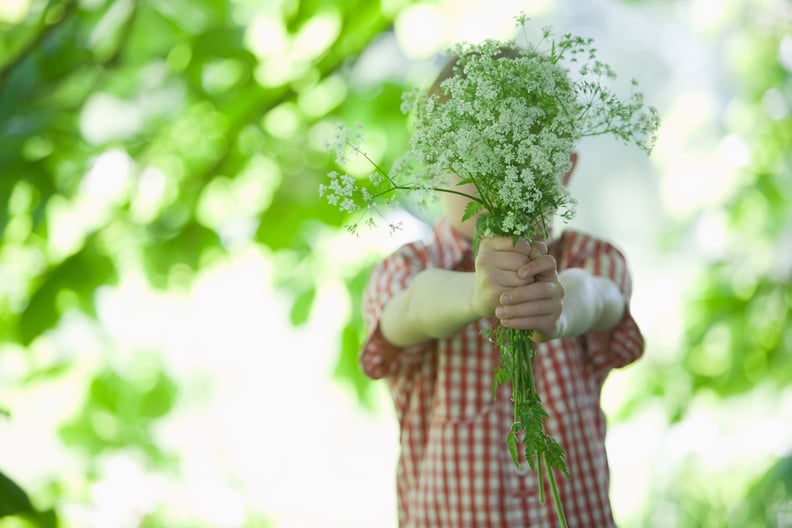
397	187
436	189
527	347
481	191
556	498
524	360
483	197
540	465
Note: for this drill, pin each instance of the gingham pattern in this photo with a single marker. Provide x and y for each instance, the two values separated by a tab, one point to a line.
454	468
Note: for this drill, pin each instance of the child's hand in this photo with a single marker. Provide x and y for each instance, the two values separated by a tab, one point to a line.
497	263
525	281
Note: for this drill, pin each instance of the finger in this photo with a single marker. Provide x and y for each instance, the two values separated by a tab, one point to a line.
544	325
522	246
496	243
505	280
501	261
538	249
502	256
532	309
526	293
544	266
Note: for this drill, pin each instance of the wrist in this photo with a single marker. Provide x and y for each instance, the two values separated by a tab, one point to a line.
475	306
561	326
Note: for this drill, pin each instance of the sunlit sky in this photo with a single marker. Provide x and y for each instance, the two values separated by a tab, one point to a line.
261	425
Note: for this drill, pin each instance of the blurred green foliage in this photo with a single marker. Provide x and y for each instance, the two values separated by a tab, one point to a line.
739	332
738	318
118	411
14	502
207	129
213	140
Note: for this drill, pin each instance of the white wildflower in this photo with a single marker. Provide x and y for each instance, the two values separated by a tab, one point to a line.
344	140
348	183
376	178
508	119
348	206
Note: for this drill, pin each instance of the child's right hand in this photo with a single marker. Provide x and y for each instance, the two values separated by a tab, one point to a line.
497	263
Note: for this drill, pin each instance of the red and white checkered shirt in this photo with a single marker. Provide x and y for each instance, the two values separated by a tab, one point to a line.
454	468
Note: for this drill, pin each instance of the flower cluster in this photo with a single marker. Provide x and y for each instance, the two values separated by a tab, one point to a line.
349	194
506	120
344	141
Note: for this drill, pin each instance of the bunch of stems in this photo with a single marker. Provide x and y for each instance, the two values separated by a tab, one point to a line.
542	452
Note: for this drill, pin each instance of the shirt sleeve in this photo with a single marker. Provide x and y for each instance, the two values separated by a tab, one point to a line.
623	344
378	357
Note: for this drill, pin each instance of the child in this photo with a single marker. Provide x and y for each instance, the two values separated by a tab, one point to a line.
425	307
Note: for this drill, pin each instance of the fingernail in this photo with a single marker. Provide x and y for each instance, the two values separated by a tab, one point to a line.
501	311
523	273
506	299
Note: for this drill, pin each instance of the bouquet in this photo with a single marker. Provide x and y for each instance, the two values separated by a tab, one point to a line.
506	120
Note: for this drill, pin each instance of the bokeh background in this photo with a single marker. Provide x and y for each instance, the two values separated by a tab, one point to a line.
179	310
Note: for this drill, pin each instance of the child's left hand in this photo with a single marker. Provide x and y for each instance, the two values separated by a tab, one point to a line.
536	305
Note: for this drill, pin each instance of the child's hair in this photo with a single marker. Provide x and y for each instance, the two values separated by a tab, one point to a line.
448	70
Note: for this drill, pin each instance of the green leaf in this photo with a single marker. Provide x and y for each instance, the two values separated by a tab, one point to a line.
118	411
301	308
158	401
14	502
13	499
347	368
176	242
48	372
501	376
106	390
72	283
511	440
472	209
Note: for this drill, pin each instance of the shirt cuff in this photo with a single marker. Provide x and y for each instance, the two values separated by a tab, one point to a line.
380	358
617	347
